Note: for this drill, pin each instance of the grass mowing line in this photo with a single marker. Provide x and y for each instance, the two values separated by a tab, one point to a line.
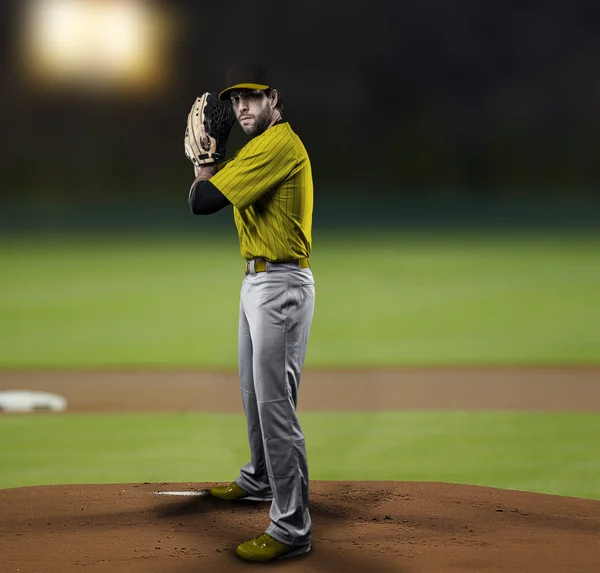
542	452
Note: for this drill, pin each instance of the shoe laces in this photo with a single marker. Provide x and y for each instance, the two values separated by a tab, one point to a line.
264	540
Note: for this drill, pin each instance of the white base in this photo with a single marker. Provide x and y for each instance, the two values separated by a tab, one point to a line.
187	493
28	401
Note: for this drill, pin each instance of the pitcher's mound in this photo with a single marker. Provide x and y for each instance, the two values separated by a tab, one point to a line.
357	526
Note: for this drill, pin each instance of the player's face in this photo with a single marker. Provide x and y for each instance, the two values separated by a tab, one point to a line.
253	110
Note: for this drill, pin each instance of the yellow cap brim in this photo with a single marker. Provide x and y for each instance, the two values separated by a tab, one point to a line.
242	87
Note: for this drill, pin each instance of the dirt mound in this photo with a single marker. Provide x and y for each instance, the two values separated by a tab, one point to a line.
357	526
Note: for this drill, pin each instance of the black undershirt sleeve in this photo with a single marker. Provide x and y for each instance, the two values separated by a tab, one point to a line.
206	199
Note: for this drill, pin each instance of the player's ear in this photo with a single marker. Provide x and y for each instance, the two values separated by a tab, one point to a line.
273	97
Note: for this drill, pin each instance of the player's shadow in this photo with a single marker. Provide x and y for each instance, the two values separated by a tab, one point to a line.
220	523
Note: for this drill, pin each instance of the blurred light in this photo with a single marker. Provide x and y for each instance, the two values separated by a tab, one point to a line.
99	43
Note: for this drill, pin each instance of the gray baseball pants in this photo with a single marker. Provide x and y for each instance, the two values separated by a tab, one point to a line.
276	313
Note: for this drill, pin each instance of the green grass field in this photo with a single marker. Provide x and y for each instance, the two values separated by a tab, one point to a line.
549	453
382	300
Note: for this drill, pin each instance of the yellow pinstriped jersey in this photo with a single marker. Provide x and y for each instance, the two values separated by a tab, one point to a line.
269	182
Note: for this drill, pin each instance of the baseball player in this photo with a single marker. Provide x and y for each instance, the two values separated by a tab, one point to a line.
269	183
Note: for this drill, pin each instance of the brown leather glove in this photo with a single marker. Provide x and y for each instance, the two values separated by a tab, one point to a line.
208	125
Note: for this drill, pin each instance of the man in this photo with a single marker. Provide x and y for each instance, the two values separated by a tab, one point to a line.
269	183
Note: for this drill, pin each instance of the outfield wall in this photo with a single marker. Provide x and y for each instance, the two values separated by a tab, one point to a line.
337	209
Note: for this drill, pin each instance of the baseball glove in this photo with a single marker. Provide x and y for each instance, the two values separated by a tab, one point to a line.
208	125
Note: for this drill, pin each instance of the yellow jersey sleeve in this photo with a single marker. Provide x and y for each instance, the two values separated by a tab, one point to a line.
262	164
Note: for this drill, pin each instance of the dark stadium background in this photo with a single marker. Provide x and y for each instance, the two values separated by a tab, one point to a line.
454	114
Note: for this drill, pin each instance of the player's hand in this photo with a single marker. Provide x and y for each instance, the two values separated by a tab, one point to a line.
205	171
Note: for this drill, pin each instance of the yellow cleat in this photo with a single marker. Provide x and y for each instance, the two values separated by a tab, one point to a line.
265	548
233	492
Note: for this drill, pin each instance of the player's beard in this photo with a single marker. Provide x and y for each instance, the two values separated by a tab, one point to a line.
260	124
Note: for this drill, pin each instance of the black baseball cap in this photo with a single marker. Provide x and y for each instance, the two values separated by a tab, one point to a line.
247	74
